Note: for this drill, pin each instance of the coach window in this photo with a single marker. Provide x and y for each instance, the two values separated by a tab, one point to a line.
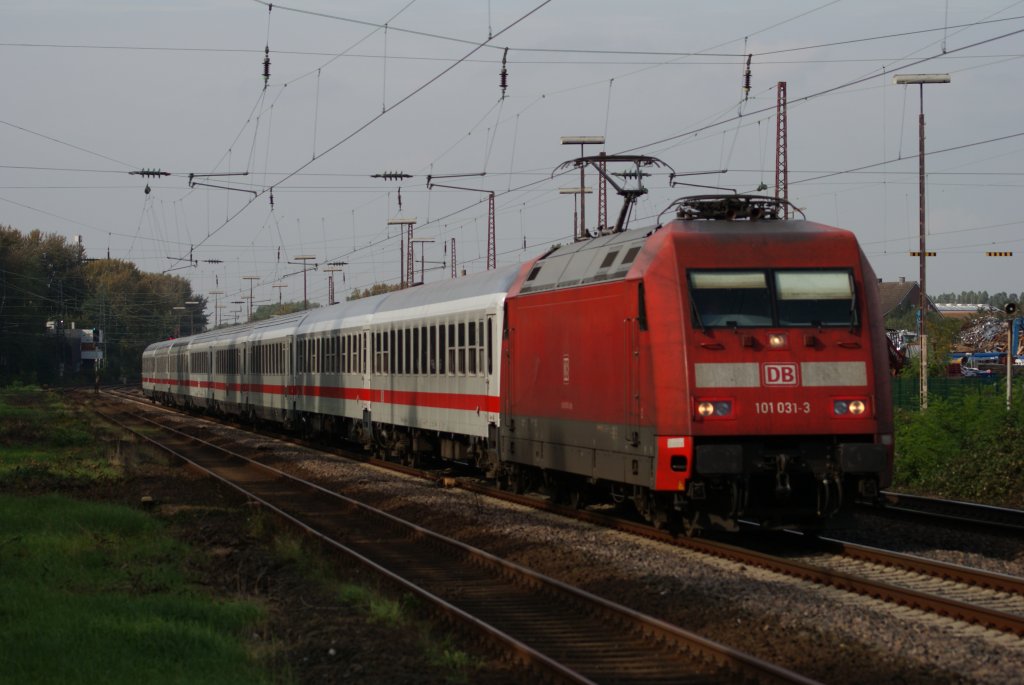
471	348
423	350
481	364
433	348
815	298
452	349
462	348
399	351
407	355
389	342
416	350
442	351
730	299
377	352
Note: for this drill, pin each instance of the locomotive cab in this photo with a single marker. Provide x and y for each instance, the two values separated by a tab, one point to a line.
789	412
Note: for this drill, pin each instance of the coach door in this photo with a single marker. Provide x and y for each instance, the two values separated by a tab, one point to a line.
365	358
492	360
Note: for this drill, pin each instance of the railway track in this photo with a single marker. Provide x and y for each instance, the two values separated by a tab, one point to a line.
974	596
559	632
978	597
951	511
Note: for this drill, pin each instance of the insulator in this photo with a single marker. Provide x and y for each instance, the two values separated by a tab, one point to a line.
504	73
271	199
746	79
266	66
399	198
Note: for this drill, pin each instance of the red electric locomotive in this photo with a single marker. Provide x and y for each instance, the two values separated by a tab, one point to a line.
728	364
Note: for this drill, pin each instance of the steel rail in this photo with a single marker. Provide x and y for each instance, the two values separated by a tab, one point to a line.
887	592
248	476
954	511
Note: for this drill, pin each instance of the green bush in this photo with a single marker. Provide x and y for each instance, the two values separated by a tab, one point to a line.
968	448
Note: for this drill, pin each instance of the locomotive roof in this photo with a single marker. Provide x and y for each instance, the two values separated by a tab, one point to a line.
605	258
610	257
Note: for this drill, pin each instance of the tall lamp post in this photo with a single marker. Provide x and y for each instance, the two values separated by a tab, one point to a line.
920	80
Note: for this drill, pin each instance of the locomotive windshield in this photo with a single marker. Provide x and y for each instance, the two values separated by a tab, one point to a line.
736	299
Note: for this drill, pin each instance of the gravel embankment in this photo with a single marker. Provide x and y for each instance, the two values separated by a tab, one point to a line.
823	633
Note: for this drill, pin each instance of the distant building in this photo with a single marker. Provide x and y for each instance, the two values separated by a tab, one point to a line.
84	348
894	295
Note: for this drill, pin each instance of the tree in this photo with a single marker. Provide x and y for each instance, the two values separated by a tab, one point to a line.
134	309
375	289
265	311
40	281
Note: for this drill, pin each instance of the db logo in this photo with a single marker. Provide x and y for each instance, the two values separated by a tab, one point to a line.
779	374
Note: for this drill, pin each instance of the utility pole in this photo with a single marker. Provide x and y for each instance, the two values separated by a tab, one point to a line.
302	259
216	306
920	80
333	268
781	151
581	141
279	286
409	272
250	279
423	252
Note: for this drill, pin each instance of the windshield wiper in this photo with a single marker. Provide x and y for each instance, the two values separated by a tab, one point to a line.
696	315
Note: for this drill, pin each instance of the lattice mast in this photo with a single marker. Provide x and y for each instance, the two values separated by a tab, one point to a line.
410	265
781	157
492	252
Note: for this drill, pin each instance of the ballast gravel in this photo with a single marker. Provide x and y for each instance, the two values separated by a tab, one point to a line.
823	633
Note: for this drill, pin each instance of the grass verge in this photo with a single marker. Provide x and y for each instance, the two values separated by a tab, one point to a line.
95	592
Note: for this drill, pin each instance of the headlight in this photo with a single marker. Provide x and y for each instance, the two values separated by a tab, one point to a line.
714	408
777	341
849	407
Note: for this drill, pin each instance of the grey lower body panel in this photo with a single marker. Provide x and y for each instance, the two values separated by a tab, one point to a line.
612	452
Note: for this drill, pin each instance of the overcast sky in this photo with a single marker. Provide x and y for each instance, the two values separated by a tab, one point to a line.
94	90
